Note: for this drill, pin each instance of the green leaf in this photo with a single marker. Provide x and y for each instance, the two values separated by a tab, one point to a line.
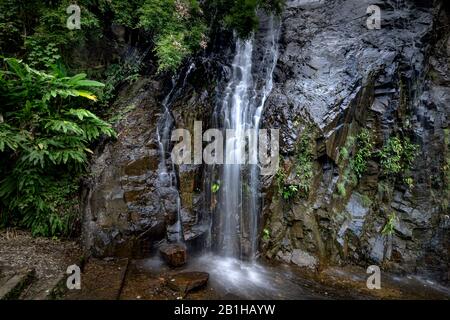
88	83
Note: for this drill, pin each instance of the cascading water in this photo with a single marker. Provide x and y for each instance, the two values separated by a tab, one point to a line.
237	214
167	175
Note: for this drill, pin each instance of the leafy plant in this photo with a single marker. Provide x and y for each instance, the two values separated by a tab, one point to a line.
116	75
266	234
389	226
364	150
289	192
304	169
215	187
42	56
341	189
397	155
178	27
409	181
44	139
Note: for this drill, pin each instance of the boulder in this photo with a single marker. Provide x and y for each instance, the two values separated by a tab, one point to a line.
303	259
188	281
174	255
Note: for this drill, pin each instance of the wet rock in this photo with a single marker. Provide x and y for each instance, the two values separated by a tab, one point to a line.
357	211
338	77
175	255
284	256
303	259
188	281
377	248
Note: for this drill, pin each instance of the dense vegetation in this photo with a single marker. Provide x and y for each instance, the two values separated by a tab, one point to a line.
175	28
48	118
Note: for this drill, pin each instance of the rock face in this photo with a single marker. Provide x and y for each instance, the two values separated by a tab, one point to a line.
335	77
122	203
129	203
174	255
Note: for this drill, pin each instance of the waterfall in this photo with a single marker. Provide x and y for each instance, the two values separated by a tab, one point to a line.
167	174
236	217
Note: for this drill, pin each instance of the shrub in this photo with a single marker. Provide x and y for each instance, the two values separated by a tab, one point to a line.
44	138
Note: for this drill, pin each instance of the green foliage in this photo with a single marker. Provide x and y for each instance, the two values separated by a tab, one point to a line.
11	25
215	187
178	27
305	162
344	154
286	191
341	189
397	155
366	201
240	15
42	56
266	234
171	51
181	27
116	75
409	181
45	139
304	169
124	11
389	226
356	152
289	192
364	150
51	39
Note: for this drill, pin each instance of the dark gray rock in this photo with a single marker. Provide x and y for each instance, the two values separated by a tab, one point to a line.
337	77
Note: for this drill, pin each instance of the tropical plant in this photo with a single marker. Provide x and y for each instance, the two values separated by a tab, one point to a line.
44	139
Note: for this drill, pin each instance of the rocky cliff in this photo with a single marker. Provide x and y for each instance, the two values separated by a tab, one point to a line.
336	79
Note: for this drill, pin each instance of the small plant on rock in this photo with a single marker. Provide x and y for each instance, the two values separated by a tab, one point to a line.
389	226
397	155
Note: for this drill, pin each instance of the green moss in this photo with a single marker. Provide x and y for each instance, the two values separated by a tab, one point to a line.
366	201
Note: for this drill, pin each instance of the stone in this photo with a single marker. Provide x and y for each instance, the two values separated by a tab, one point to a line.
284	256
303	259
377	248
188	281
355	207
174	255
